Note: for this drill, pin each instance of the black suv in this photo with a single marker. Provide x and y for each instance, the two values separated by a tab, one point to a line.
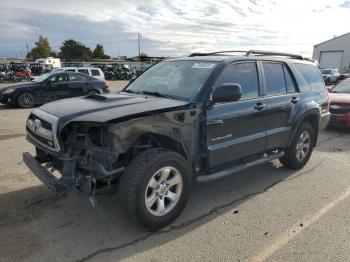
197	118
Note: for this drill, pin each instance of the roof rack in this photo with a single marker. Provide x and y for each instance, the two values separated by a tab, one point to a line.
252	52
217	53
271	53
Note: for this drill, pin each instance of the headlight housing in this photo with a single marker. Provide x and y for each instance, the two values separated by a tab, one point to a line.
8	91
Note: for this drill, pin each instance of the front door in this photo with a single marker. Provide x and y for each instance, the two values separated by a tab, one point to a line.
56	88
237	129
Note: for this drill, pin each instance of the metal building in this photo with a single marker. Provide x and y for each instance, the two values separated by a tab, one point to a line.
334	53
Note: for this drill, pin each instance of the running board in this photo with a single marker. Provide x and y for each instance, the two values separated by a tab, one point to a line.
230	171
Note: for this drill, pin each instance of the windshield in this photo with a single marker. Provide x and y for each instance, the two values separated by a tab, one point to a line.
342	87
326	71
41	78
177	79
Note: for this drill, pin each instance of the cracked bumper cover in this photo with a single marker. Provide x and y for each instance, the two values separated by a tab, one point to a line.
58	185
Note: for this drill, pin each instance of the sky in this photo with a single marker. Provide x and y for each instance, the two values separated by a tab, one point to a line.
173	27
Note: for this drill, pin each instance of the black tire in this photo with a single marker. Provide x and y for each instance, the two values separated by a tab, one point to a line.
135	182
93	92
290	159
26	100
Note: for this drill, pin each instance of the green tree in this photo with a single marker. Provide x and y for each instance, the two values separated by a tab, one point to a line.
143	57
42	49
99	52
73	50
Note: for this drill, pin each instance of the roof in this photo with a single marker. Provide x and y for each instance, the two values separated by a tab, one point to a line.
332	39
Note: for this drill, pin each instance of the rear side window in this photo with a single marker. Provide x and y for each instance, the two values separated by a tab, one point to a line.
95	72
76	77
311	75
274	77
84	71
244	74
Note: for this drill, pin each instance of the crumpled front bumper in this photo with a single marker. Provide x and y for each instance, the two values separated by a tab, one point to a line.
59	185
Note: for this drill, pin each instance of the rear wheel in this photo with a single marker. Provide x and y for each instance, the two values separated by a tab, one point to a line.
26	100
154	188
93	92
299	151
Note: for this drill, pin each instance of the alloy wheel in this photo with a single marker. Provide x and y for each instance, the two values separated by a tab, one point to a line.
303	146
163	191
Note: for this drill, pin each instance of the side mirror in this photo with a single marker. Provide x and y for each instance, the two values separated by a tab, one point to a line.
227	93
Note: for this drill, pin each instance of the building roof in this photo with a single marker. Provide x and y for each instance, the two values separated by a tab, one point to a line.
332	39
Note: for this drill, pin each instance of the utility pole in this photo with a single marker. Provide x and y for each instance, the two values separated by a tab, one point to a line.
27	49
118	51
138	43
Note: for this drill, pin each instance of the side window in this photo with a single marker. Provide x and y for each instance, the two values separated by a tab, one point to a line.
58	78
84	71
311	75
289	82
244	74
76	78
274	76
95	72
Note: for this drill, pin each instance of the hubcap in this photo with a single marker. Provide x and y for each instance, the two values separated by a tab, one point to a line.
26	100
303	146
163	191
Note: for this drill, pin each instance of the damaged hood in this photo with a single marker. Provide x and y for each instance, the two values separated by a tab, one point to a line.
104	108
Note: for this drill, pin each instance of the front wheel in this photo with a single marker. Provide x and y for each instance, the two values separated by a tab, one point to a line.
155	187
26	100
299	151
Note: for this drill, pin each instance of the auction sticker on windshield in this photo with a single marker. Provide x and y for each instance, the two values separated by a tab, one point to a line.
203	65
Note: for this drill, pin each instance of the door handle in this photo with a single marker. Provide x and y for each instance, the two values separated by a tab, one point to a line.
295	100
259	106
215	122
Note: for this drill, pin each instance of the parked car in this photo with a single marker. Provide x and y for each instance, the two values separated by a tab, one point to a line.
330	75
93	72
24	73
344	76
340	104
197	118
50	87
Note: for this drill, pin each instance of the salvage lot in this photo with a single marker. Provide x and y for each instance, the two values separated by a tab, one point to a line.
268	212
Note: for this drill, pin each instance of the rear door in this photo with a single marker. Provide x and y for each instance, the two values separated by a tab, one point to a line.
280	96
78	84
237	129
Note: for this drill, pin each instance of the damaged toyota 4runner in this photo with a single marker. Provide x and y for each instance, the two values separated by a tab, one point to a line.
197	118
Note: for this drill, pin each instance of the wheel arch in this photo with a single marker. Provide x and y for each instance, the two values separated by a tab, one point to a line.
312	117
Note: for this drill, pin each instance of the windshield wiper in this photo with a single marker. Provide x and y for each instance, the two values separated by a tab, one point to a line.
155	93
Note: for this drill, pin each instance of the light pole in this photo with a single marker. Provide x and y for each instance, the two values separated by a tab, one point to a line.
138	43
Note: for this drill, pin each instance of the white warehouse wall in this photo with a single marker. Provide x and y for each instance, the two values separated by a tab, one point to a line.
340	44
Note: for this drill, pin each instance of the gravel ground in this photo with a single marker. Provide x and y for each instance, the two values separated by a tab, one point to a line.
267	213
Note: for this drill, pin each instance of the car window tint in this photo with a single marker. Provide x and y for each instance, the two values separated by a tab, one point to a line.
274	77
84	71
311	75
70	70
244	74
95	72
58	78
76	78
289	81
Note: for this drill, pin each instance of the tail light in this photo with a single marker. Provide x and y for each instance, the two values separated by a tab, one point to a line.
329	99
106	84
